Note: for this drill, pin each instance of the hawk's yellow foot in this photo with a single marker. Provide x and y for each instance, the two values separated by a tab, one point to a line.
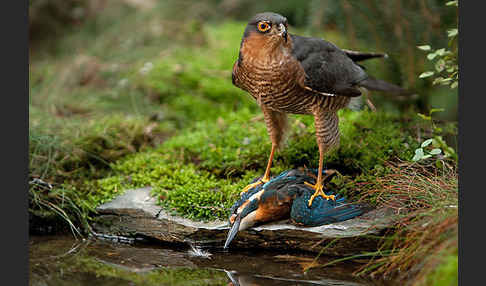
252	185
319	192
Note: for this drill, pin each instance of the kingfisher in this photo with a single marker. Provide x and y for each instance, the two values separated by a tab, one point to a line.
286	196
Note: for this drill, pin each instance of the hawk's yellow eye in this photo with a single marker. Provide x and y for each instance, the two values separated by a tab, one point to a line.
263	26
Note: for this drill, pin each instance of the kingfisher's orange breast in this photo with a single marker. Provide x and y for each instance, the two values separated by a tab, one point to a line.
272	209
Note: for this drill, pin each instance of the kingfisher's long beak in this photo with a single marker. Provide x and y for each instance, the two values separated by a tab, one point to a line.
283	31
232	277
233	231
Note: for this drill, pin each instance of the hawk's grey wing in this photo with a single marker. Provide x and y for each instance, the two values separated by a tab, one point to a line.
328	69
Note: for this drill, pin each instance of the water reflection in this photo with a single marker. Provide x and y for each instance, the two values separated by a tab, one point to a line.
64	261
255	280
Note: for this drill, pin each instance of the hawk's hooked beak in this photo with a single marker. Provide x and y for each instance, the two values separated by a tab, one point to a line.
283	31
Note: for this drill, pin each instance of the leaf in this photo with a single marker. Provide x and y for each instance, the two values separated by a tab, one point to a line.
440	65
423	116
438	80
440	52
431	56
424	47
435	151
454	84
426	74
433	110
445	81
452	32
426	143
416	158
419	154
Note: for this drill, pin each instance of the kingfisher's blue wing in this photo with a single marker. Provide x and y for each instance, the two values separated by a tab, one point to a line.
245	196
275	184
322	211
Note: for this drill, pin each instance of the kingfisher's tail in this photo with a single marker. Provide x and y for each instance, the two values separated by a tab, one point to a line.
322	211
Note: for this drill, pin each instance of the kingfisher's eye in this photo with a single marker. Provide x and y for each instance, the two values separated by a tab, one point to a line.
263	26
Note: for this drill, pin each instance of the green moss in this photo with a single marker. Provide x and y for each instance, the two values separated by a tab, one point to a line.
199	172
226	146
71	149
181	187
367	140
446	274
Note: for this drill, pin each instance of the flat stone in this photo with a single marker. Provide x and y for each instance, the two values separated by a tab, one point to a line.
132	202
135	214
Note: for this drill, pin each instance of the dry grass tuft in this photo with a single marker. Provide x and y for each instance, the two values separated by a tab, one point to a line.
425	197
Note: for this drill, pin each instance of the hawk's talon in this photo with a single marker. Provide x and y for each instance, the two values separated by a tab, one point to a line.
252	185
318	192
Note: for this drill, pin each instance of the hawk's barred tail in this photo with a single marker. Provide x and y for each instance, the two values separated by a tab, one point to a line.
361	56
381	85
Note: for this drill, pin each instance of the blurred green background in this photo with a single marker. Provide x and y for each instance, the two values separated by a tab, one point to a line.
140	28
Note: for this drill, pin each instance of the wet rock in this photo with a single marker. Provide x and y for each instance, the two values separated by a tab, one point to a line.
135	214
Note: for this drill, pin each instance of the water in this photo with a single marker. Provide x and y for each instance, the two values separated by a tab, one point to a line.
62	260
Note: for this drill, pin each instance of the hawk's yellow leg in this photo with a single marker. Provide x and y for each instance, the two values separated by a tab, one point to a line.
266	177
318	186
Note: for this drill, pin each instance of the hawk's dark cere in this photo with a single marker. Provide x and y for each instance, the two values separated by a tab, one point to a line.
287	73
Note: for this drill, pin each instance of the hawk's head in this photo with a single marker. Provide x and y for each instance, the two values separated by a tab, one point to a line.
270	29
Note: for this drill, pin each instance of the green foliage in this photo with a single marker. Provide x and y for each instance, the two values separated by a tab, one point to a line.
435	146
367	139
54	204
446	73
419	152
446	60
392	27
